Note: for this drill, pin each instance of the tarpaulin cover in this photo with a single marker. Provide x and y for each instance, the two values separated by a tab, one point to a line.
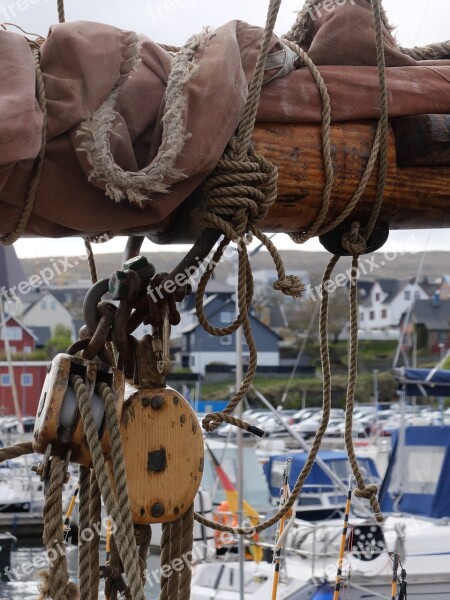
102	104
424	382
318	480
416	480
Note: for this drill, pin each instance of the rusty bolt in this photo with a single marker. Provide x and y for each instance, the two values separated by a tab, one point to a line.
157	402
118	285
145	401
136	263
37	468
157	510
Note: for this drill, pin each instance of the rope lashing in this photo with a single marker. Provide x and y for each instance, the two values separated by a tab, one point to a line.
353	242
438	51
38	163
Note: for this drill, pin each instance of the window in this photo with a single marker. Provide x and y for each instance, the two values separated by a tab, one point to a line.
26	379
361	317
384	314
44	305
226	340
14	333
27	349
192	361
372	315
5	380
52	305
407	295
377	297
226	317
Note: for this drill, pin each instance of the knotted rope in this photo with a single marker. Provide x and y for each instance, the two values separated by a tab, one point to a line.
237	195
325	360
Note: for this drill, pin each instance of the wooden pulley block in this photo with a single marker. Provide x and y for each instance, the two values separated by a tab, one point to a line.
58	419
163	450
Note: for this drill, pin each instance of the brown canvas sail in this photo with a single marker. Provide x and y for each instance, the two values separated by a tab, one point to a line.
113	162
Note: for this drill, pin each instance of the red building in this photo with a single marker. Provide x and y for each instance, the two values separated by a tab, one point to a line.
29	378
21	339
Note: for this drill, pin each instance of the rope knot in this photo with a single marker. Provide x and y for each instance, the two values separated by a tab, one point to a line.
240	192
290	285
353	242
367	492
212	421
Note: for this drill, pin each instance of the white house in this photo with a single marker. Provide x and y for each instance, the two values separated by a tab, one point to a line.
383	302
47	311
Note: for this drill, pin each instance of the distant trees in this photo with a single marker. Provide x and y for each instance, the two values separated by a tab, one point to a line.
59	342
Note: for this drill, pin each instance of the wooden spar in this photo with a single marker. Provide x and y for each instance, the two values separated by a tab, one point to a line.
416	197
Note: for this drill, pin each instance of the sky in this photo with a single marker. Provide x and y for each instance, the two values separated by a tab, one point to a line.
172	21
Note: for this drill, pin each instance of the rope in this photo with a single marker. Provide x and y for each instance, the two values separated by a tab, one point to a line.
320	432
38	163
126	542
237	195
175	538
363	491
11	452
91	260
61	13
55	581
165	558
436	51
84	571
326	145
187	543
95	508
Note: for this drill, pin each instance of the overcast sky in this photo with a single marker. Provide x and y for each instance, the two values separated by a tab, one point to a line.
173	21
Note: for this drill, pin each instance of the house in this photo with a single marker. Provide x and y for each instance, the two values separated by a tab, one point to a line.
383	302
431	322
29	379
199	348
21	339
45	310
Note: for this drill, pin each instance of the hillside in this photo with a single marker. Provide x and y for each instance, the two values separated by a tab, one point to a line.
374	266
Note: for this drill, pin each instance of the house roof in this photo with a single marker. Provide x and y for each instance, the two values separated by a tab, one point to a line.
228	304
19	323
34	297
11	271
434	315
42	335
390	287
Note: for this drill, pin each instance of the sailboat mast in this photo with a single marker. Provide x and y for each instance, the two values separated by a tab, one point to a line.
12	380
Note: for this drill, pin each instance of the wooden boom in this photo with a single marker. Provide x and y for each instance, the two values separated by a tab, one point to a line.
415	196
417	193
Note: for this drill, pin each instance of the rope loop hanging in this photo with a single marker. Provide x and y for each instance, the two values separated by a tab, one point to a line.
237	196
